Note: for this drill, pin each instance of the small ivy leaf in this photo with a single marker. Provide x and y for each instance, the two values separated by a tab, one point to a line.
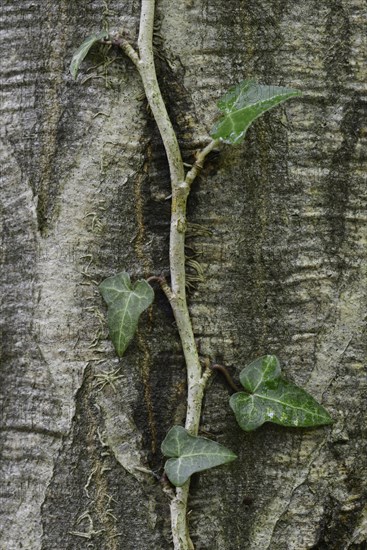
126	302
273	399
243	104
191	454
82	51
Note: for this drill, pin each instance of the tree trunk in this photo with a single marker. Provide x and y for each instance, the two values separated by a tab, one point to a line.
279	228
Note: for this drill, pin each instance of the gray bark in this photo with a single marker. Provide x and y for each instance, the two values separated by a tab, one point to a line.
282	239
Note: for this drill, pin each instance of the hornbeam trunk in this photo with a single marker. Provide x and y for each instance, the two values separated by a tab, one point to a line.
278	226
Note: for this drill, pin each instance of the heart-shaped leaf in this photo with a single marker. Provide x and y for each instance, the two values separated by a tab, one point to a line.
273	399
191	454
126	302
243	104
82	51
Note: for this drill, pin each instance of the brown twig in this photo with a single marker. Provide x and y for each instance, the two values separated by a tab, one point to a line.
125	46
227	376
199	162
163	284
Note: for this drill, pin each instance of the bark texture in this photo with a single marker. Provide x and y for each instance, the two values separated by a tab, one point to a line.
280	225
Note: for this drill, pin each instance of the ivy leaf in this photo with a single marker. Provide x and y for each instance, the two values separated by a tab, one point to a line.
126	302
191	454
270	398
82	51
243	104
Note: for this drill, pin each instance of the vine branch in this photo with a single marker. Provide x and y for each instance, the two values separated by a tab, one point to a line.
125	46
177	292
199	163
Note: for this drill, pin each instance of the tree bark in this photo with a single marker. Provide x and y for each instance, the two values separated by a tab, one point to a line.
279	224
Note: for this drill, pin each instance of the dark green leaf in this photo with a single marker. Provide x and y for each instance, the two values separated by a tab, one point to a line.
273	399
126	302
191	454
243	104
82	51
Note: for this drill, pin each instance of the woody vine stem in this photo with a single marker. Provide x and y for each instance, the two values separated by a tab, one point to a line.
176	294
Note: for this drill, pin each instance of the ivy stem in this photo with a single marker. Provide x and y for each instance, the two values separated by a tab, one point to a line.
181	185
152	91
200	159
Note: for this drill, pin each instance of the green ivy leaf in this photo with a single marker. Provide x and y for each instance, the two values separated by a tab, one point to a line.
82	51
273	399
126	302
243	104
191	454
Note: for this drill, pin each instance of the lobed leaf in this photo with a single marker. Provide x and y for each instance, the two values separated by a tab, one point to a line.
190	454
126	302
83	50
245	103
273	399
